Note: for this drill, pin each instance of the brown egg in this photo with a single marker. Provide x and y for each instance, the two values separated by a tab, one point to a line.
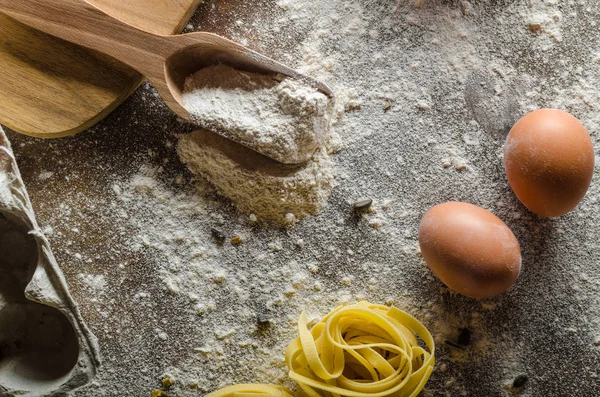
549	161
469	249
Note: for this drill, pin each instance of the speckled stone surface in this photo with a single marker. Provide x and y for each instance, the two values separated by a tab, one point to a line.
545	327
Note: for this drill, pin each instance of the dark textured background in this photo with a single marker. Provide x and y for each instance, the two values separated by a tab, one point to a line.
545	327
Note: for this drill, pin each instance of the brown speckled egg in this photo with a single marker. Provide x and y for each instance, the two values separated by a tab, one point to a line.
549	161
469	249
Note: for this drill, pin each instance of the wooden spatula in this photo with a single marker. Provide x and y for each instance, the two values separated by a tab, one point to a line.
165	60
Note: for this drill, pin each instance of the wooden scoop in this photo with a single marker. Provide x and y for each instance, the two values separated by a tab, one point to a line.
165	60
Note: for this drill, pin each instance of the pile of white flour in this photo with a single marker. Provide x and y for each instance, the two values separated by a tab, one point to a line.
265	190
280	117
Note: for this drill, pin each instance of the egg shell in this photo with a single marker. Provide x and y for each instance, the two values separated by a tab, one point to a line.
549	161
470	249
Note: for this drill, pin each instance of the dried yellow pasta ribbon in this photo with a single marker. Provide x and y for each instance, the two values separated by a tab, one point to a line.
361	350
252	390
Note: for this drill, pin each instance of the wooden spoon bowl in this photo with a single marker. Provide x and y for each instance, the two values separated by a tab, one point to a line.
165	60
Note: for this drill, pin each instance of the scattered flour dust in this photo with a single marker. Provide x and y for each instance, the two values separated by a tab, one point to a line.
390	83
427	96
233	305
96	284
282	118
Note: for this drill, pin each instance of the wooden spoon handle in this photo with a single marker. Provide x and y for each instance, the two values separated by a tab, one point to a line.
82	23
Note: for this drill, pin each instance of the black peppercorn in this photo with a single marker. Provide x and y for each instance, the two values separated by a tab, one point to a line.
464	338
520	381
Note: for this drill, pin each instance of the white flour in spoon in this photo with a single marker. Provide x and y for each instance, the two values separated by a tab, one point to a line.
280	117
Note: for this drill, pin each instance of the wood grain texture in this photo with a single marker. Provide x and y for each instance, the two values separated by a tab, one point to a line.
143	17
51	88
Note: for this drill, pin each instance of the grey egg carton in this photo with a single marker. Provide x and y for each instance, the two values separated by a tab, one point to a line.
45	347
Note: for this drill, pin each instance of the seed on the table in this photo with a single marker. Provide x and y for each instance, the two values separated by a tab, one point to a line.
453	344
217	234
264	322
520	381
464	338
362	204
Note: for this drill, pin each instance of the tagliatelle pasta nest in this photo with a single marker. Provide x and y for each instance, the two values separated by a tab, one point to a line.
361	350
252	390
